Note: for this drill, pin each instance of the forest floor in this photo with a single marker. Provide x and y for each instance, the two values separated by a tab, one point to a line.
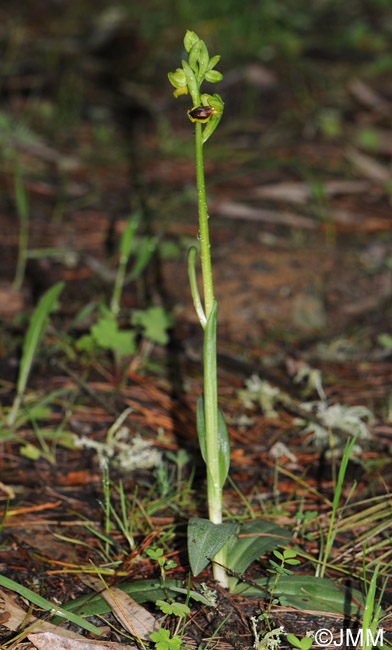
300	217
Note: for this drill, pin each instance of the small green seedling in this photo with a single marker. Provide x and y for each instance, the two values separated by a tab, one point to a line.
302	644
164	564
164	641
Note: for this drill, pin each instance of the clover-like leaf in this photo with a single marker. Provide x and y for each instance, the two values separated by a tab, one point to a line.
107	335
154	322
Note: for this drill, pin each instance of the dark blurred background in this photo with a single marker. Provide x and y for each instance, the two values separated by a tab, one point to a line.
89	123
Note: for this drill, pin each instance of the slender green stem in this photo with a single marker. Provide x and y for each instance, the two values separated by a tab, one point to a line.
214	489
205	255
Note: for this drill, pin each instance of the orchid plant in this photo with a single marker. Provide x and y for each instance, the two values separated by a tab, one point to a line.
230	547
205	113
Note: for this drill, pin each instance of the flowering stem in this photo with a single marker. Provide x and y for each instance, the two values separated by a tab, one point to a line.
205	255
214	489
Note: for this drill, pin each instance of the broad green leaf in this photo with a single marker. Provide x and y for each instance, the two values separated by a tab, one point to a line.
255	538
309	593
107	335
140	590
36	599
206	539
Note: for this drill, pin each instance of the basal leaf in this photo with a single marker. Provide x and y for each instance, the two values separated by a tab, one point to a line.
206	539
309	593
255	538
141	591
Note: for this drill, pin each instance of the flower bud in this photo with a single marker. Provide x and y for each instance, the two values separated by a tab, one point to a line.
177	78
213	76
214	61
204	60
194	54
190	39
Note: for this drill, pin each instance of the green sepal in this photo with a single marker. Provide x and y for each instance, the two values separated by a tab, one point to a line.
205	539
223	440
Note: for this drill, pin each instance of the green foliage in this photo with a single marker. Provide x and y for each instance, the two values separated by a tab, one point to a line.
140	590
223	440
302	644
255	538
308	593
205	539
154	322
44	604
287	557
35	332
177	609
163	640
106	334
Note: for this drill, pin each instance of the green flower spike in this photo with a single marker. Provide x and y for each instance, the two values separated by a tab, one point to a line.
207	109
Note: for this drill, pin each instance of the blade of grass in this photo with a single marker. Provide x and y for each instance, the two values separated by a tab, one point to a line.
34	598
335	503
33	337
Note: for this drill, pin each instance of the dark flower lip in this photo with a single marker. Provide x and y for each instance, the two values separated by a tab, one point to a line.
201	113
